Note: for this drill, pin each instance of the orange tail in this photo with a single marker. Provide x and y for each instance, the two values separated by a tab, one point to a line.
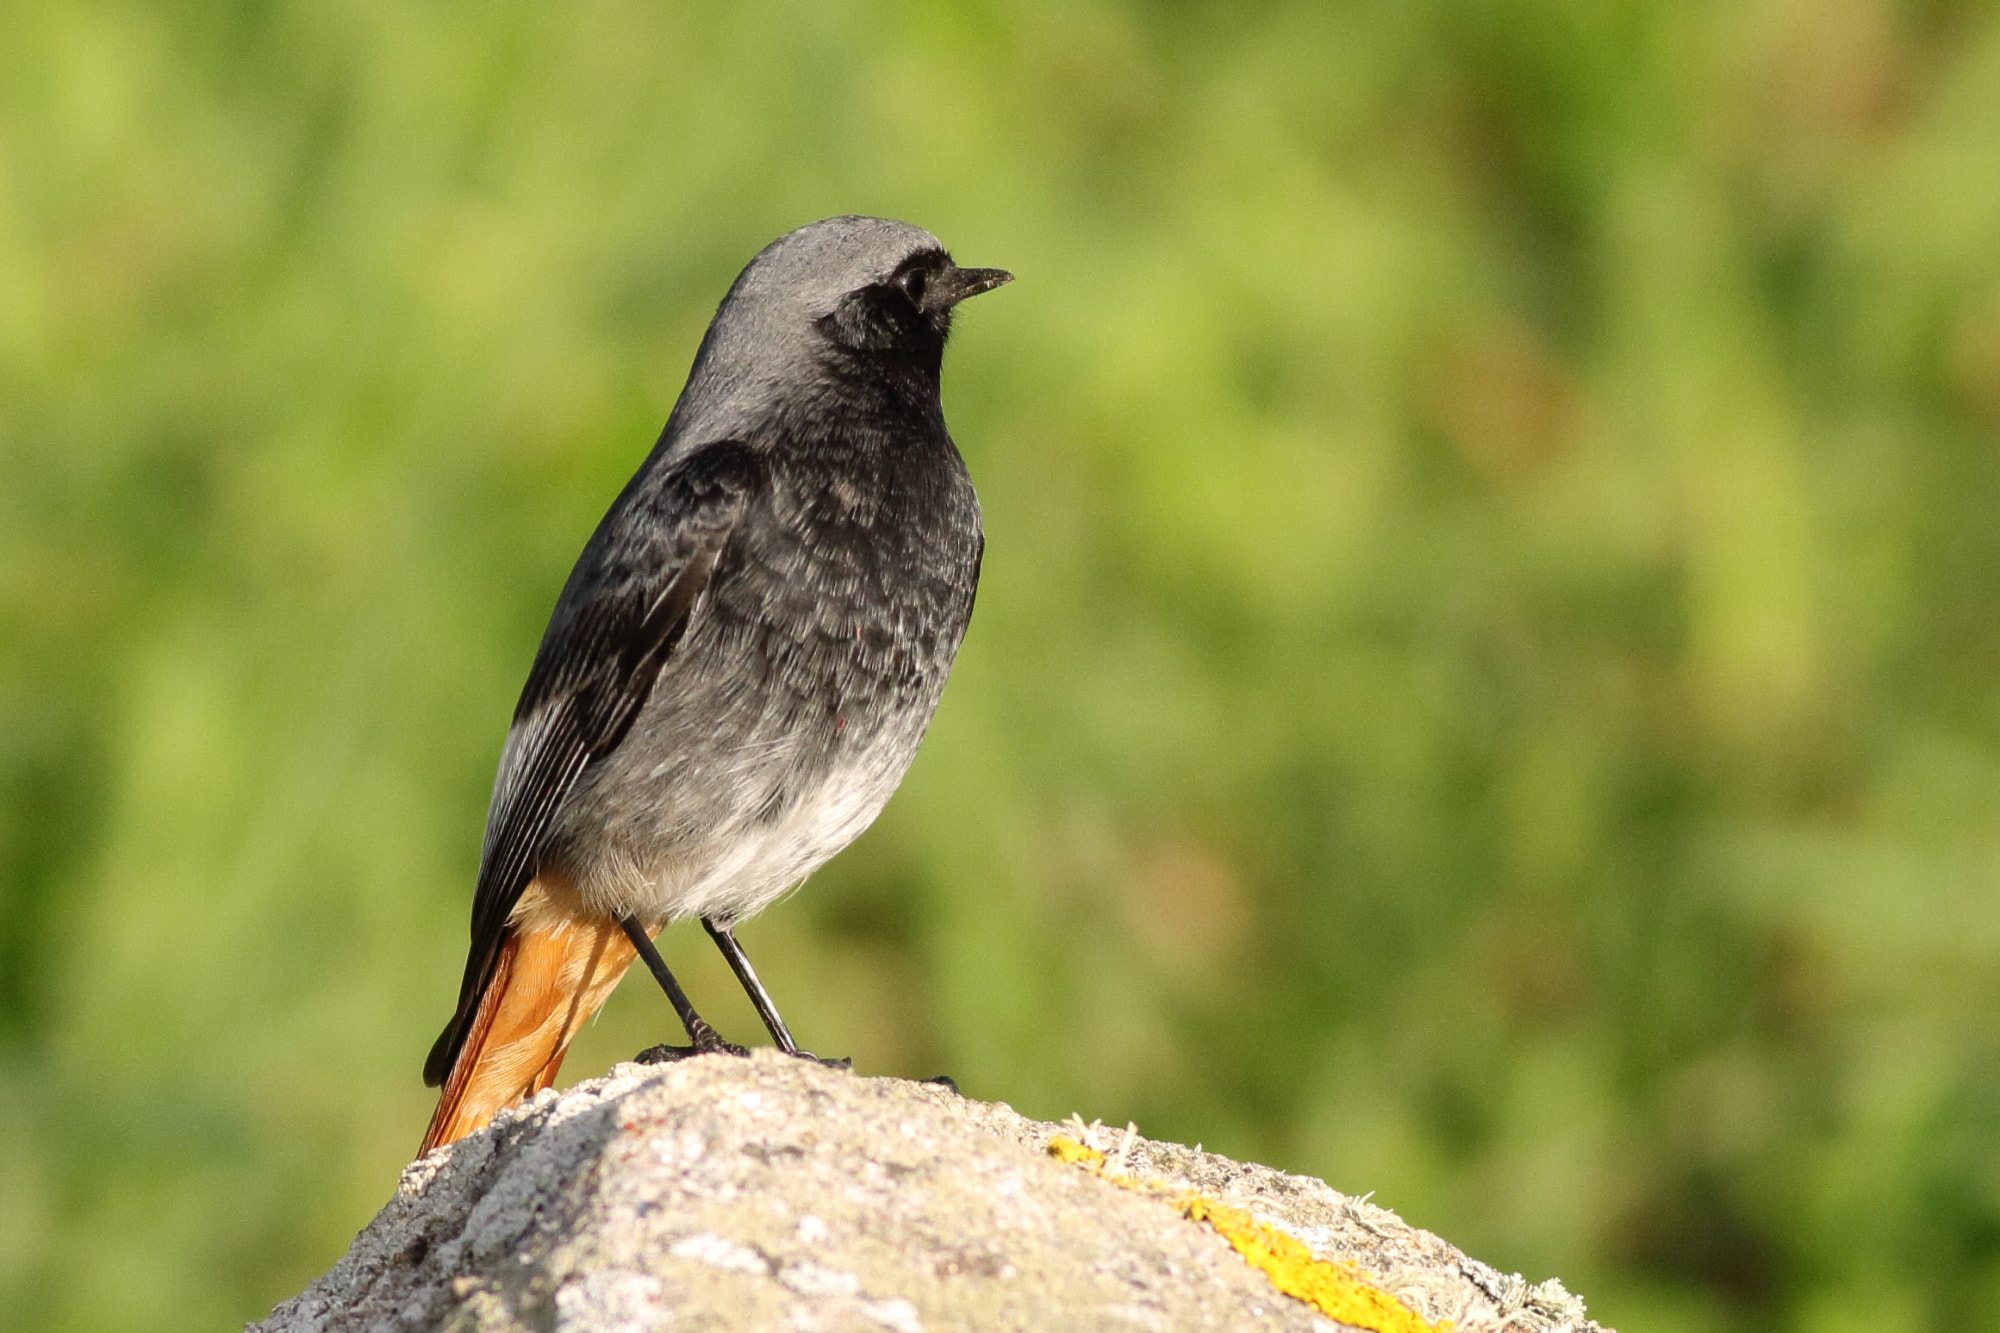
556	968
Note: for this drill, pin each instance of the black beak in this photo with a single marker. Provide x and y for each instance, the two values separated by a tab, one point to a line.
952	284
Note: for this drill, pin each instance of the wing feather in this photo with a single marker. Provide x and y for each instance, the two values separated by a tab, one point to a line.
625	607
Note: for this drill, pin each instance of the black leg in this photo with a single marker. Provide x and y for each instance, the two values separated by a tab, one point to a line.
725	940
739	963
702	1038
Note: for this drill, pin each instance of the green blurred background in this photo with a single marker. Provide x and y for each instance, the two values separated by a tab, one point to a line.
1486	687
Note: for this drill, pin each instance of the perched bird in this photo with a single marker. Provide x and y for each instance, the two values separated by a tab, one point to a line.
738	672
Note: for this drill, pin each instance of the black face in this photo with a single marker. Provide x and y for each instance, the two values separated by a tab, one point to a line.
910	311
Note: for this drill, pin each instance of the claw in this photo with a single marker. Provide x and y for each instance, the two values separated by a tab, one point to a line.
706	1043
844	1062
707	1040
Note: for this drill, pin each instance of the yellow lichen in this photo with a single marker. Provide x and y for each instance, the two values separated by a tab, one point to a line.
1066	1149
1335	1290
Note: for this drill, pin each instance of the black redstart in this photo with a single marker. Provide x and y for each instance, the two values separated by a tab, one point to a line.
738	672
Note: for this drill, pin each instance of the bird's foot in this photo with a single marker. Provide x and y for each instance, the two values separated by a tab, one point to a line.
705	1040
945	1081
666	1055
844	1062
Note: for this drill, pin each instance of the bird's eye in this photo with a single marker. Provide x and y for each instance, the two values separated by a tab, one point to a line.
912	282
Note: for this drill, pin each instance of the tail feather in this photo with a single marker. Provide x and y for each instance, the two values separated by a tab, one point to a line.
555	969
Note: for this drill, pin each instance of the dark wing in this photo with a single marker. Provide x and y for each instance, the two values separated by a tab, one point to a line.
625	607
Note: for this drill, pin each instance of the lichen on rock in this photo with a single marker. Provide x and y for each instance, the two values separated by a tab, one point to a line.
773	1193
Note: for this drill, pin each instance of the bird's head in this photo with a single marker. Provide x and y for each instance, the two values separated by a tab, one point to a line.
845	290
867	284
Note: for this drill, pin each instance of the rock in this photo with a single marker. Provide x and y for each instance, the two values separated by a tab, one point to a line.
774	1193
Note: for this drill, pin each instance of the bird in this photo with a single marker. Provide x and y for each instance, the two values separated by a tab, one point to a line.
740	667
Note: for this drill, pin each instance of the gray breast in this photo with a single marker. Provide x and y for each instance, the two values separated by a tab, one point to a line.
793	705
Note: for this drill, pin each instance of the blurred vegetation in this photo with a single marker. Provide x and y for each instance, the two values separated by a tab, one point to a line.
1486	689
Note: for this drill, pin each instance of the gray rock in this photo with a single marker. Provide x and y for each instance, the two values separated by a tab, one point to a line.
773	1193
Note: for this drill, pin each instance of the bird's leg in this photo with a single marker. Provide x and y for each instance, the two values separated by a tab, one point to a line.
725	940
739	963
702	1039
